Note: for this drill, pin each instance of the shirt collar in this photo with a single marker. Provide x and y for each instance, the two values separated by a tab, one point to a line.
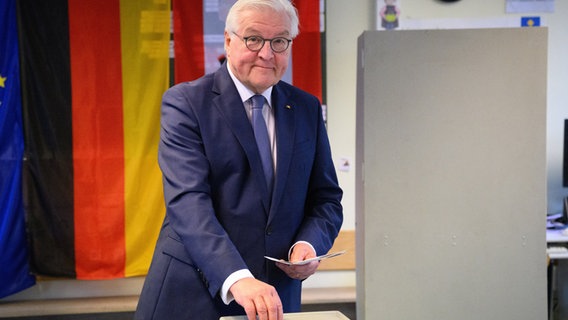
244	92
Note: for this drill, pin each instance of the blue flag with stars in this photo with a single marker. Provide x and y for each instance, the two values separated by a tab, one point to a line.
14	268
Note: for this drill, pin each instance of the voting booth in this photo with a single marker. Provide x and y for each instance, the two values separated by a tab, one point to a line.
451	174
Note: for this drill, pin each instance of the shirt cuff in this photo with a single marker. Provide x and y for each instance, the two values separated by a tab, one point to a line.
227	296
305	242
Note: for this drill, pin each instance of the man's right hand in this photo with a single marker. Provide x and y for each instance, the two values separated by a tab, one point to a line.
257	298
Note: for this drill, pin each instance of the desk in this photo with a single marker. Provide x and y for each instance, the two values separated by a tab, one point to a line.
554	238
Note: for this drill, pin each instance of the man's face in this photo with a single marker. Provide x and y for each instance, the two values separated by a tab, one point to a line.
258	70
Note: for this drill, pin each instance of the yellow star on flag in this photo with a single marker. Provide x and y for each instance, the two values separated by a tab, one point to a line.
2	81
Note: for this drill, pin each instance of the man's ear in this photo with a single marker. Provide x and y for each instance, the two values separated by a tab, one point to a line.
227	42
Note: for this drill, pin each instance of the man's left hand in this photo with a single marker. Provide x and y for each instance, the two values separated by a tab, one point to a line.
300	252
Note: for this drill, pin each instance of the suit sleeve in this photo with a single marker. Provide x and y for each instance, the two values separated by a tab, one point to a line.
187	191
323	213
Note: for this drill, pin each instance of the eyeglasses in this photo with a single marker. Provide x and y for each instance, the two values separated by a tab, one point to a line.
255	43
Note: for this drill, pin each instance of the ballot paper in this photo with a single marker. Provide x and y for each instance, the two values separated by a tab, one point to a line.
299	263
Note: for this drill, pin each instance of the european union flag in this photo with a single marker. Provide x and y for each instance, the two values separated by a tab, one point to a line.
14	268
530	21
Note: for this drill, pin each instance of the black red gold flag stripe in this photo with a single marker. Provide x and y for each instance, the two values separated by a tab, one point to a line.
95	72
48	166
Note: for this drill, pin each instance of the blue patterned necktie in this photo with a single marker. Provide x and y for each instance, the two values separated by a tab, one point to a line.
262	140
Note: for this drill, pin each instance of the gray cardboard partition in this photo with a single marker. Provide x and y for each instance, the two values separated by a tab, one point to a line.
451	170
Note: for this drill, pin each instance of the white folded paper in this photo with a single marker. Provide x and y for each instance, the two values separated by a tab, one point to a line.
299	263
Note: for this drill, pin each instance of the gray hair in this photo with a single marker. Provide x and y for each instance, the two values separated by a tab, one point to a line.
280	6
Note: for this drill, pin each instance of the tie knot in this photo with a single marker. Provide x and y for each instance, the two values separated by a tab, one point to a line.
257	101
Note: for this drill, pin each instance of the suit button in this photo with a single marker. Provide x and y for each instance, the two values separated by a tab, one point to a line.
268	231
203	279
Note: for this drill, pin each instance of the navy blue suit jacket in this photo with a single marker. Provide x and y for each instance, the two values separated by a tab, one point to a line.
219	216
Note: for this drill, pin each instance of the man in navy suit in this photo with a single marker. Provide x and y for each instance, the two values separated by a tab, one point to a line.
223	214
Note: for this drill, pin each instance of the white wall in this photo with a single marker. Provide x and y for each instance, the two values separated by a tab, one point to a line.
345	21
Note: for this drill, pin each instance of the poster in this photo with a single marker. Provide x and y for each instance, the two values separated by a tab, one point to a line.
388	13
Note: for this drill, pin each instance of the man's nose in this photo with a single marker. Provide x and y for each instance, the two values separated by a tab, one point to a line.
266	51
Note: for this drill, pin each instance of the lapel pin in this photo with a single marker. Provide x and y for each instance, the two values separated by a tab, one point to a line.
288	107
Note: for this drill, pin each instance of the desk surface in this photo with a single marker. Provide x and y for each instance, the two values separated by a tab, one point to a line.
555	236
323	315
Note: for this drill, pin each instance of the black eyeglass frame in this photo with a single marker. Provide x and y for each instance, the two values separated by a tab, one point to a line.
271	41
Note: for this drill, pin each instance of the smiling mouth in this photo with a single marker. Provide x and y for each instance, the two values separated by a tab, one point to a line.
264	67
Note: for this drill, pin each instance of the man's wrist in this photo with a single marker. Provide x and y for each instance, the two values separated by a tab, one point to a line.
226	295
297	243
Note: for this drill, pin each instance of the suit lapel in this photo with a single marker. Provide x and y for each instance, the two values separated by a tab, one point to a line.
231	108
284	116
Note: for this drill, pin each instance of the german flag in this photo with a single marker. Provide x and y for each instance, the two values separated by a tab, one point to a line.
93	72
306	51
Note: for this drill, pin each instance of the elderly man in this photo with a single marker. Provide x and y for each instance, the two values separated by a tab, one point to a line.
247	173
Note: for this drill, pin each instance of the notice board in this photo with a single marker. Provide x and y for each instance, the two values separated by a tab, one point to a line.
451	174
